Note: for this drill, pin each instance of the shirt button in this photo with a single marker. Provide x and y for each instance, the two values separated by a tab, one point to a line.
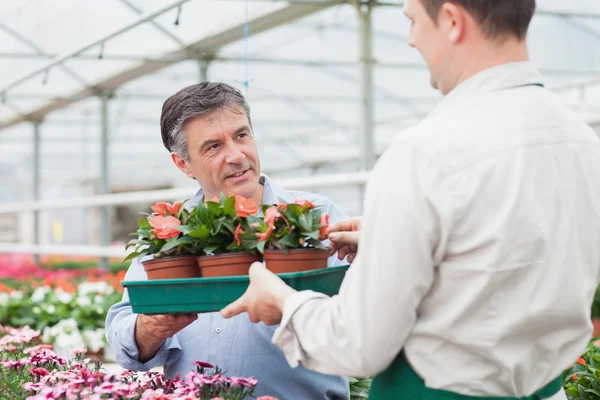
218	330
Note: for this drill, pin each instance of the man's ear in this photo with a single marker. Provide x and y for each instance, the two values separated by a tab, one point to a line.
452	18
182	164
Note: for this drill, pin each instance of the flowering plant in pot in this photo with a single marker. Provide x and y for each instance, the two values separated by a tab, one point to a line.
290	235
158	236
215	229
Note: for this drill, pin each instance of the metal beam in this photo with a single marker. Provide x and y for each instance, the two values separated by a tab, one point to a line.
365	17
206	46
565	13
104	186
36	185
64	57
155	24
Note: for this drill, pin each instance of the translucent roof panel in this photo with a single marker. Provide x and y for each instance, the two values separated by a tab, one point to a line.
302	70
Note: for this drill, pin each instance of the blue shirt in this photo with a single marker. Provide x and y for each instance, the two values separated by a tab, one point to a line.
236	345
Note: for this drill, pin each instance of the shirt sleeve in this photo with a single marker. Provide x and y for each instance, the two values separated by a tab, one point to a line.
360	331
120	332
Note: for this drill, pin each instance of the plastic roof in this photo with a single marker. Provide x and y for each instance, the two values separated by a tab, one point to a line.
303	81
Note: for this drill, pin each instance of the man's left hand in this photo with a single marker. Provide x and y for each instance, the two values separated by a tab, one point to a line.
264	298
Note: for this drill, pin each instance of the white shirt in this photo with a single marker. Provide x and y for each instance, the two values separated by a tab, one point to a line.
479	251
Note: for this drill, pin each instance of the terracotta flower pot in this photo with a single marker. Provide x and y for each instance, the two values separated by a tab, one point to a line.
172	268
296	260
230	264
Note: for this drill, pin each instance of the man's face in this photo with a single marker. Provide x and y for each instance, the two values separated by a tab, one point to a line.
223	154
427	38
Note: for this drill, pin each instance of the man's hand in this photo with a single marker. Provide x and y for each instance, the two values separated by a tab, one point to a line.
343	235
264	298
152	330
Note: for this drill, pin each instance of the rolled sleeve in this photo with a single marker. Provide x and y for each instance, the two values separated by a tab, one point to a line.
120	332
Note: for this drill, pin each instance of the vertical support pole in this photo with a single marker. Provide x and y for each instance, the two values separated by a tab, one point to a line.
365	40
203	69
104	188
37	181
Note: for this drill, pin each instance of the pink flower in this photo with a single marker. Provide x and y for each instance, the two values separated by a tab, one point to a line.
203	364
163	226
281	206
39	372
307	205
267	398
245	207
271	215
165	209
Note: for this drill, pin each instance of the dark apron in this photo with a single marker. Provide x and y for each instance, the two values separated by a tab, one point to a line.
400	381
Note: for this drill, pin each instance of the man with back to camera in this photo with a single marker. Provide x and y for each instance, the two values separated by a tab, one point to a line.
477	257
208	131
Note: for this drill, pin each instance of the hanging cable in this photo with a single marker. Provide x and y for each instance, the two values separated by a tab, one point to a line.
178	14
246	36
101	54
45	77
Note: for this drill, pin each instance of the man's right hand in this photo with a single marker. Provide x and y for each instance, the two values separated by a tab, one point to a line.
152	330
343	235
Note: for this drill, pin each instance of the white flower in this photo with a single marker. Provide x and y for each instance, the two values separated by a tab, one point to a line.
100	310
40	294
65	343
51	309
84	301
4	298
98	299
16	295
94	340
63	297
93	287
36	310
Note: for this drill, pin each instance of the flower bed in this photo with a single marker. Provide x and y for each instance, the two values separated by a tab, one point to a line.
31	370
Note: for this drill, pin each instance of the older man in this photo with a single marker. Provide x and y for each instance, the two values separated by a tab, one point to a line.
208	130
478	251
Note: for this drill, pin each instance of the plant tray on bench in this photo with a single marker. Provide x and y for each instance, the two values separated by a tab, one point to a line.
199	295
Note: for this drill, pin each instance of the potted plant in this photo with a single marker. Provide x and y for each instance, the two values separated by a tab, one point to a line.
290	236
215	229
158	236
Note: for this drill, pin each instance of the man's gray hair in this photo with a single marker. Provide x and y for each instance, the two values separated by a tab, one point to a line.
197	100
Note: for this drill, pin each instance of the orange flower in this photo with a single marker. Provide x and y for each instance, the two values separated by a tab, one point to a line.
324	220
281	206
574	377
245	207
162	226
581	361
304	203
236	235
264	236
165	209
597	343
271	215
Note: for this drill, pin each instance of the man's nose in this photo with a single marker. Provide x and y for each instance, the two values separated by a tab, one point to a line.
234	155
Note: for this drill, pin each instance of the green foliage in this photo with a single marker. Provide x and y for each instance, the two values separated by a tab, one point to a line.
359	388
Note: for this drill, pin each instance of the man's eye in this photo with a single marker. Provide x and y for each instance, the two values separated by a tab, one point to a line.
242	135
213	147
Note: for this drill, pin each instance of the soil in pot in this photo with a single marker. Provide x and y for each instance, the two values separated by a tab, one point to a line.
296	260
172	268
230	264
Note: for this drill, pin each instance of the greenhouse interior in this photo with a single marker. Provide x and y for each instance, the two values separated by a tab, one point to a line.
329	84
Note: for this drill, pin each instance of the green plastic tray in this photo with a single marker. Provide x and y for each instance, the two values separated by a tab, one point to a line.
199	295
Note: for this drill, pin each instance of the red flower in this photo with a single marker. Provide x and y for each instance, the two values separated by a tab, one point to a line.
307	205
39	372
165	209
581	361
264	236
203	364
281	206
236	235
245	207
271	215
574	377
324	220
162	226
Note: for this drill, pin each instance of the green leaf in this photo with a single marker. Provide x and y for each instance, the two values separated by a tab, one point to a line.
291	240
201	233
144	224
210	249
214	208
261	247
175	243
313	235
229	207
304	223
131	256
216	229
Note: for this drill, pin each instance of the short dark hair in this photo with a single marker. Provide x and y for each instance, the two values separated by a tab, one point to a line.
497	18
194	101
